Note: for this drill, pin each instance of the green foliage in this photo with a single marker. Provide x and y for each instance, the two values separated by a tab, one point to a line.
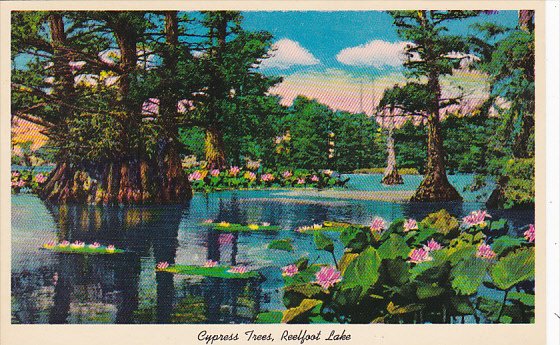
442	221
383	280
231	227
269	317
322	242
514	268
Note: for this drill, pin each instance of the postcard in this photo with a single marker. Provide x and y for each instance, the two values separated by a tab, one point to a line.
278	172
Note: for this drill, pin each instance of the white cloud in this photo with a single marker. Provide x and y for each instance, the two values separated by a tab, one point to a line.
376	53
286	53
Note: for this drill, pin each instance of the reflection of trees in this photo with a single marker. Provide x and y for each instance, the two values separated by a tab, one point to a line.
136	229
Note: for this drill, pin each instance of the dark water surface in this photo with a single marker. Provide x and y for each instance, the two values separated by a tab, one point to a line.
64	288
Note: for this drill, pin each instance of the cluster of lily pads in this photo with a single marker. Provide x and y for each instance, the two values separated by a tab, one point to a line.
438	270
79	247
234	177
27	181
232	227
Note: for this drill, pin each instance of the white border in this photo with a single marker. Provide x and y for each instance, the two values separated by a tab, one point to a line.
552	174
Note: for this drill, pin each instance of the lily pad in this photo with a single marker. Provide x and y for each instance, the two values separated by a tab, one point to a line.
283	244
216	271
269	317
232	227
86	250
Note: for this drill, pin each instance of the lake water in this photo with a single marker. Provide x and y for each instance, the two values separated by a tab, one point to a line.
62	288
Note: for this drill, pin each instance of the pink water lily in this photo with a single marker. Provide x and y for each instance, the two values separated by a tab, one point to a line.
265	224
110	248
94	245
225	239
78	244
210	263
215	172
378	224
234	170
40	178
419	255
432	245
267	177
484	251
251	176
49	244
207	221
238	270
530	234
327	277
476	218
328	172
289	270
162	265
287	174
314	178
21	183
64	244
196	176
16	174
301	181
410	224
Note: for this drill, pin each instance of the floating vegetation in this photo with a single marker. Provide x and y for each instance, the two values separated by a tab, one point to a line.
232	227
210	269
79	247
283	244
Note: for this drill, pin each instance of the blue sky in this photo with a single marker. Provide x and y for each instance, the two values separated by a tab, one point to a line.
346	59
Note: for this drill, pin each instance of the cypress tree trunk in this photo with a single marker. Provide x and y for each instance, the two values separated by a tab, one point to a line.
391	175
435	186
214	148
134	178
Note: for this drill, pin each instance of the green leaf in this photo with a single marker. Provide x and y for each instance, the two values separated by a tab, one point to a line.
396	310
216	271
505	243
283	244
523	298
269	317
394	247
467	275
322	242
499	225
462	305
428	291
300	311
363	271
356	239
514	268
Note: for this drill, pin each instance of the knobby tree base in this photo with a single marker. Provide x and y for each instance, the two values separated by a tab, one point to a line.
436	188
130	182
392	178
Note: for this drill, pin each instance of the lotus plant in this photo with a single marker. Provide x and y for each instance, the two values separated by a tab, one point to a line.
327	276
301	180
484	251
110	248
432	245
208	221
78	244
196	176
162	265
94	245
314	178
410	224
210	263
49	244
287	174
214	172
234	170
251	176
64	244
265	224
530	234
378	225
238	270
476	218
289	270
419	255
40	178
267	177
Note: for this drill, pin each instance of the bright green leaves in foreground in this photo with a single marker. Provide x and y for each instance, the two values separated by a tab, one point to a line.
408	272
514	268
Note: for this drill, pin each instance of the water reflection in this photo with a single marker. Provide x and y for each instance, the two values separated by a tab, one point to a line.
124	288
